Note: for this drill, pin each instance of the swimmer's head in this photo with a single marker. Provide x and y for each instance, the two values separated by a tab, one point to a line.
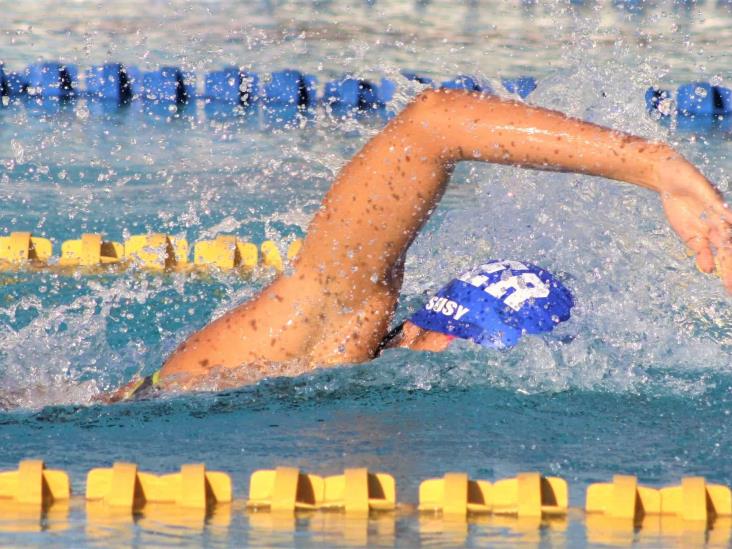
492	305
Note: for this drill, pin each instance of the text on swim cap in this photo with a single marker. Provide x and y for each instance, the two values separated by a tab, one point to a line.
447	307
525	286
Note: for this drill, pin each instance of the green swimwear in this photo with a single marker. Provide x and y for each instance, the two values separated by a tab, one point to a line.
144	388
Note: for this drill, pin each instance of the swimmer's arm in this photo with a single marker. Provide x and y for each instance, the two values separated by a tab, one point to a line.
347	276
383	196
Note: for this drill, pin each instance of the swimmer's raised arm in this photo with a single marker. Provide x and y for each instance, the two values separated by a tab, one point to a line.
336	305
381	198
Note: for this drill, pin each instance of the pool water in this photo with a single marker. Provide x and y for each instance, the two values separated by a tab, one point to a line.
638	382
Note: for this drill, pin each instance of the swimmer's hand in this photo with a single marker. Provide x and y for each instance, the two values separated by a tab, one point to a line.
699	215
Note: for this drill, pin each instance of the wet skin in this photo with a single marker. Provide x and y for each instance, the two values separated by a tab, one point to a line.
336	304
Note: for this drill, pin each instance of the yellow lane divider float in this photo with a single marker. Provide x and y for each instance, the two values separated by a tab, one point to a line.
527	495
226	253
33	484
21	247
621	511
156	252
33	498
355	491
692	500
124	486
617	510
89	251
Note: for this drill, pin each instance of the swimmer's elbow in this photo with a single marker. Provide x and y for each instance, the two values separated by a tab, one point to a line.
426	121
443	102
436	118
430	104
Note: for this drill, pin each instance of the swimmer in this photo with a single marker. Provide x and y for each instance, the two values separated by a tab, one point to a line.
492	305
336	304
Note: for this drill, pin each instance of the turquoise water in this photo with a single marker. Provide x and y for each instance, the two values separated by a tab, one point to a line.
638	382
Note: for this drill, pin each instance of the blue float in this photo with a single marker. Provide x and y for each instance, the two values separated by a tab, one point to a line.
311	85
463	82
15	84
695	99
135	80
351	93
386	90
4	86
417	78
165	85
521	86
723	98
287	87
232	85
51	80
695	124
223	85
701	98
189	85
108	82
654	97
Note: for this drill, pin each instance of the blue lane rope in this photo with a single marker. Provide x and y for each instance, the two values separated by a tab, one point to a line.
118	84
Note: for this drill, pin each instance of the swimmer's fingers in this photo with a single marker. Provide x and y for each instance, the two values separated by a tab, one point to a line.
725	270
724	267
686	218
721	239
706	228
699	245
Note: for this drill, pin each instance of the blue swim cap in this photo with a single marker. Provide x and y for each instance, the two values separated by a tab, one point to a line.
494	304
